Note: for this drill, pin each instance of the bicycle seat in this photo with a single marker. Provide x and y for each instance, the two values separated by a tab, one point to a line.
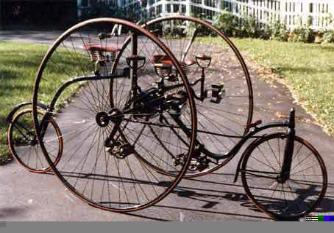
164	59
97	51
101	48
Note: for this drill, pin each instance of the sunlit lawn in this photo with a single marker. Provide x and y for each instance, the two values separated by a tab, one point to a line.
18	67
308	70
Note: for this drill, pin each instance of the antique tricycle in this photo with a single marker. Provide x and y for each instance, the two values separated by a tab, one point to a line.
122	112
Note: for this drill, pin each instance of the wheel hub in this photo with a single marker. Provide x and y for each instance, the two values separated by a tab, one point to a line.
102	118
281	179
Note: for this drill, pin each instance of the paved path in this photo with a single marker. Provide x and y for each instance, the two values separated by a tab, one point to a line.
26	196
30	36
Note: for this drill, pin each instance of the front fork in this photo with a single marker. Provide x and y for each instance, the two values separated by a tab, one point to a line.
289	149
284	174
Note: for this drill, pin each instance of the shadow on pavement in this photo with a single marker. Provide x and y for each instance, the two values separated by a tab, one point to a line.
10	212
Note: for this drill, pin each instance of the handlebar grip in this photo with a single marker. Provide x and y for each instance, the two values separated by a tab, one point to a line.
203	60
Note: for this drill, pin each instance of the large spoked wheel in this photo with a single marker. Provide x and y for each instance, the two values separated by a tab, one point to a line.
23	143
224	97
106	132
293	198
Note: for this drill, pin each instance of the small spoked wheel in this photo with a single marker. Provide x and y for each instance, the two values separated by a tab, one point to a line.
23	142
106	109
283	199
221	83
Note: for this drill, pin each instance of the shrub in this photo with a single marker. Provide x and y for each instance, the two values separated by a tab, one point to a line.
302	34
226	22
278	31
265	32
328	37
249	27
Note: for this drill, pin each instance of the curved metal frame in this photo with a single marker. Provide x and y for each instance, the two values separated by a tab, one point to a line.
251	148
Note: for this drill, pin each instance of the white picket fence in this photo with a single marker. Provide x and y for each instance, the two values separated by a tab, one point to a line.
293	13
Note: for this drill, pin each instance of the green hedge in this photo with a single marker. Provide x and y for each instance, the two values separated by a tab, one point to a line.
248	27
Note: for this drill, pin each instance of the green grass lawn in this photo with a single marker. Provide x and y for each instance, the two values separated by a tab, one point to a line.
18	66
307	69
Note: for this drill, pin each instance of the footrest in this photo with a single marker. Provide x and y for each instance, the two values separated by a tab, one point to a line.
217	93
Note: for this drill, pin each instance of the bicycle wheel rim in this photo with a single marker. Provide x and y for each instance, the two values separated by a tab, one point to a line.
294	185
136	29
40	164
208	114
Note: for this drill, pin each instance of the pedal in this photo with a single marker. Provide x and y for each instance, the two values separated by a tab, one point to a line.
125	150
217	93
175	102
199	164
178	160
120	150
